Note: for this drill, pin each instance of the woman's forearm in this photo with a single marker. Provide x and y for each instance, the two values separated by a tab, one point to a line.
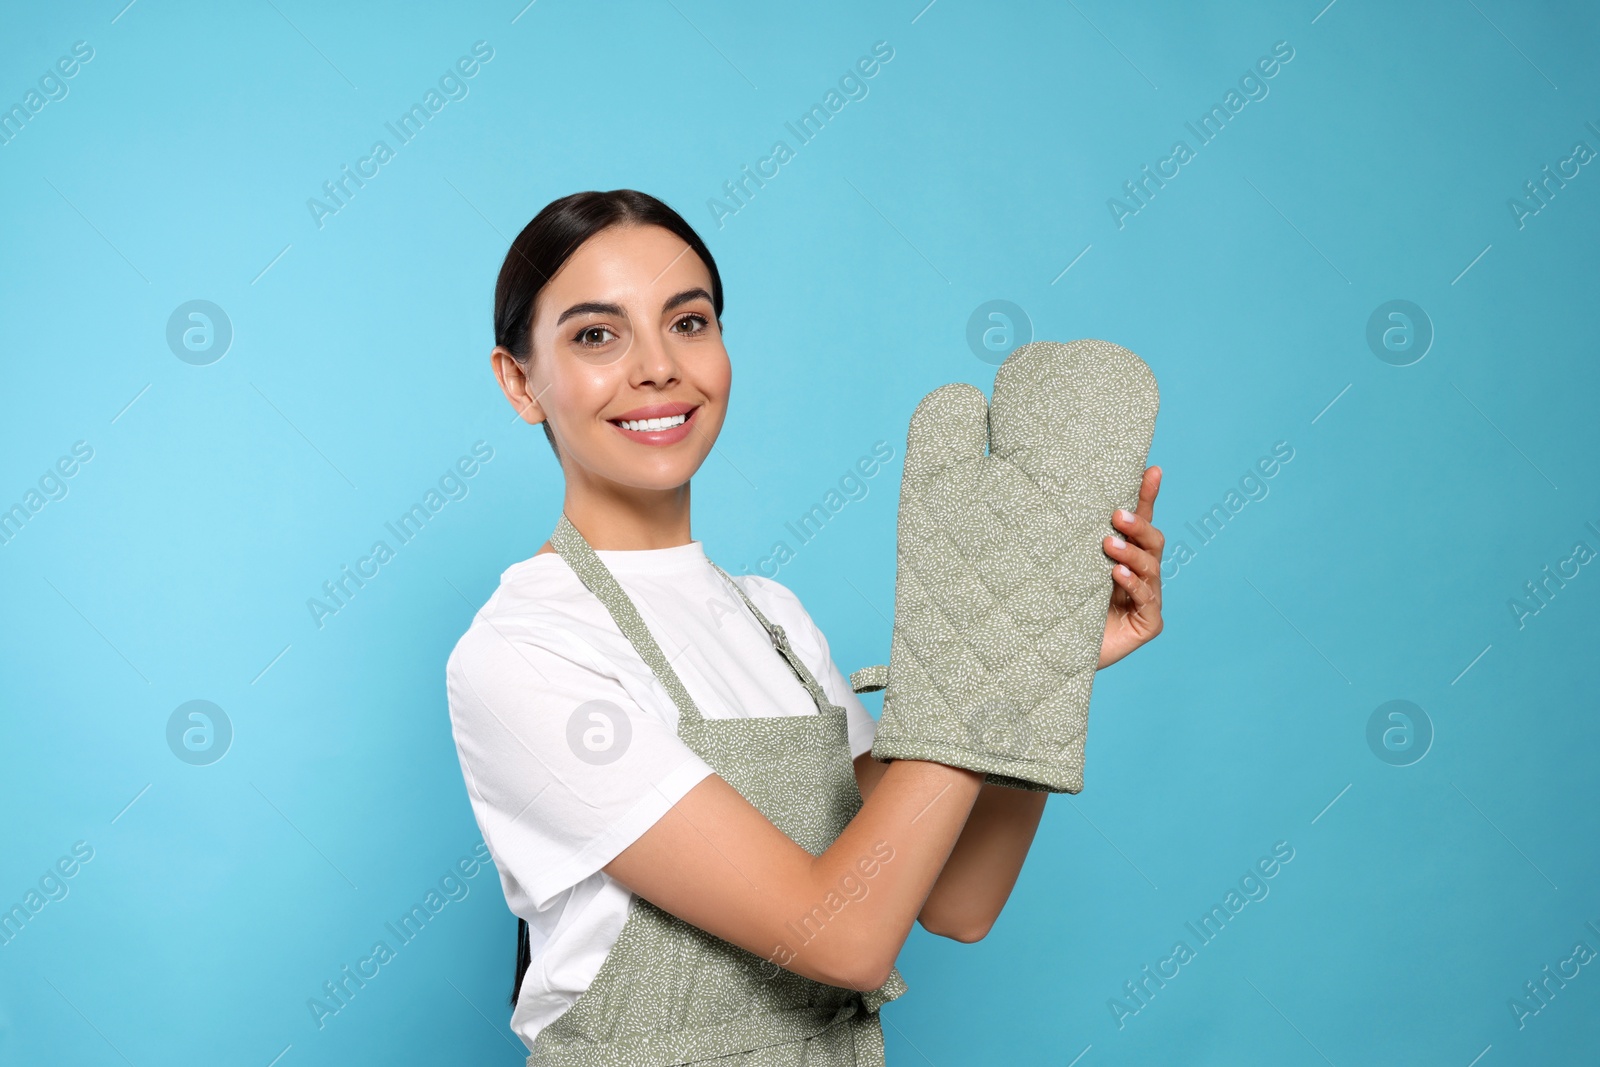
982	870
983	865
840	917
890	856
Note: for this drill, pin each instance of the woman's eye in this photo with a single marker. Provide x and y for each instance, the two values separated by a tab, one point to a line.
692	318
590	336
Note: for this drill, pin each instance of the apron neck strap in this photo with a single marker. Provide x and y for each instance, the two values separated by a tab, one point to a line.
603	584
780	641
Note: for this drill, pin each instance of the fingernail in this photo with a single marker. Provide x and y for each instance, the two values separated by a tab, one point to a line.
1117	542
1123	570
1125	515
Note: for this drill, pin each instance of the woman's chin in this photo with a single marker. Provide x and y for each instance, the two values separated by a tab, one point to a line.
658	477
652	468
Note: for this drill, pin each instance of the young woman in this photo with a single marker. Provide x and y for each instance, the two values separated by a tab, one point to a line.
672	775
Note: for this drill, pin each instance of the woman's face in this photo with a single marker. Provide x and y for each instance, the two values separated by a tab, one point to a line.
625	332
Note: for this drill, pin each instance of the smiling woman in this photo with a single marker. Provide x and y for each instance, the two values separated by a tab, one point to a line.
671	774
595	333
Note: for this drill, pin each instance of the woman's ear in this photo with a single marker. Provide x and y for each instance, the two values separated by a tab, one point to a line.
513	378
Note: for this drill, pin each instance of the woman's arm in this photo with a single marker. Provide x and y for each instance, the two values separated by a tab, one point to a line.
930	842
715	861
983	866
987	858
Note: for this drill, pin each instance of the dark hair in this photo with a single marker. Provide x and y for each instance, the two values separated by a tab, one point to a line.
524	955
550	239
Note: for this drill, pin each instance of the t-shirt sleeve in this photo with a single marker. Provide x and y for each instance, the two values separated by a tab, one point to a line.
564	769
813	649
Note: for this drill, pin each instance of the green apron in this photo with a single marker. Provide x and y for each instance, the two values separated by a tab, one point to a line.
670	993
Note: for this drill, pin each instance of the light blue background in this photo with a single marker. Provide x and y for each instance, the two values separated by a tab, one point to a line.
1419	501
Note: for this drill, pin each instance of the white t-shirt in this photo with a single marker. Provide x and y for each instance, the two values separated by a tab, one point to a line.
560	785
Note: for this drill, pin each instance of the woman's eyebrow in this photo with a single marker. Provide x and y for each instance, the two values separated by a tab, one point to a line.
684	297
592	307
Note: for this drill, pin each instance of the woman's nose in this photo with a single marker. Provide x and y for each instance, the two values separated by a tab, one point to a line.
654	361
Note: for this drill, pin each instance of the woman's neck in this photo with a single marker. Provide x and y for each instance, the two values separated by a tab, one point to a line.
627	518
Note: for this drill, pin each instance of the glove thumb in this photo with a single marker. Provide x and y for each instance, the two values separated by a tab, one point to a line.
949	427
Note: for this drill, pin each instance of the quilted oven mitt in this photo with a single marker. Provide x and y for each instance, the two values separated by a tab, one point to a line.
1001	584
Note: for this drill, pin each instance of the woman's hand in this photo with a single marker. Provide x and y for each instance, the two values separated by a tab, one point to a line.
1135	615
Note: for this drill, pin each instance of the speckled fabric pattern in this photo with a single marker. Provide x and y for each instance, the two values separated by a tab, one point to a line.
670	993
1001	584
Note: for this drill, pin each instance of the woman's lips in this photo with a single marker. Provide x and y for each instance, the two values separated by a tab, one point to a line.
661	437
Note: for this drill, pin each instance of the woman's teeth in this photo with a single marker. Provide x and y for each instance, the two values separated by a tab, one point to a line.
647	425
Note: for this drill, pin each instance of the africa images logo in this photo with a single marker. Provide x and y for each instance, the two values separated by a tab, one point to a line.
1208	127
452	86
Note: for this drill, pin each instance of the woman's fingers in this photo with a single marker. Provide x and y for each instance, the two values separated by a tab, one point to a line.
1149	485
1136	525
1146	599
1138	552
1141	562
1138	529
1136	600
